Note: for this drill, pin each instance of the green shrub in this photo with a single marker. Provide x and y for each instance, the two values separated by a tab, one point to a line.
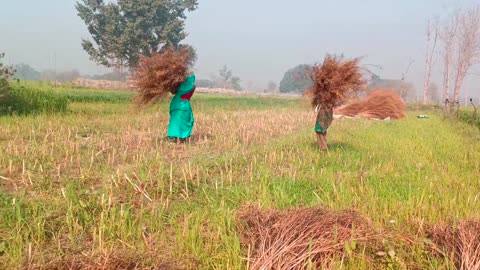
22	100
466	117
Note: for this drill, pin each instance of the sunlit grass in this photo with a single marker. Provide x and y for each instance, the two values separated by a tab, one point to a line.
102	179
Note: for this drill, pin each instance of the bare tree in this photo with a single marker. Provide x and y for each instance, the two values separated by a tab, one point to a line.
468	51
432	37
225	75
447	36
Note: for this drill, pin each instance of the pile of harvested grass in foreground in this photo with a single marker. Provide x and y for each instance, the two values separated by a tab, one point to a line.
335	80
161	74
461	243
112	260
379	104
300	238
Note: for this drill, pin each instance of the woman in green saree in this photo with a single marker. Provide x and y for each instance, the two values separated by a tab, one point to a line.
323	122
181	115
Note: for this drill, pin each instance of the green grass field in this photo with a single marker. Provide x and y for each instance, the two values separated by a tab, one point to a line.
100	183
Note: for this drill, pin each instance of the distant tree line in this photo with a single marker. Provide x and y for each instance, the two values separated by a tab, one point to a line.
28	73
297	80
224	79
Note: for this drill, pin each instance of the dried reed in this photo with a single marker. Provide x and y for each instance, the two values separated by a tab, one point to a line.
161	74
297	239
379	104
460	242
335	81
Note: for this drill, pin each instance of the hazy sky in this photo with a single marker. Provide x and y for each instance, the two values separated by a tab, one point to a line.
257	39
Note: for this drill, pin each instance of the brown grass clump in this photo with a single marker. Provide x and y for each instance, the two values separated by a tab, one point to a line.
335	80
114	260
460	243
161	74
300	238
379	104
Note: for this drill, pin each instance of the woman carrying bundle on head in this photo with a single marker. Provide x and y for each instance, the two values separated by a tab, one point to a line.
323	121
164	73
181	115
334	81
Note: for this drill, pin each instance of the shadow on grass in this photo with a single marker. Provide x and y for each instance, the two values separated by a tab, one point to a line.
195	138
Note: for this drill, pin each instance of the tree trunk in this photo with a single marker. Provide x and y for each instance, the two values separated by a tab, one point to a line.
459	82
446	76
426	85
432	37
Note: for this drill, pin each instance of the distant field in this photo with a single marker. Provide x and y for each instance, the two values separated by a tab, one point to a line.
100	184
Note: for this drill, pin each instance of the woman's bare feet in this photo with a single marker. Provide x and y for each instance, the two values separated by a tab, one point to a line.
322	141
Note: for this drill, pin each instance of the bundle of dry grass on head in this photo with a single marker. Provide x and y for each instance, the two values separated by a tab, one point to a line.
461	243
379	104
161	74
300	238
335	81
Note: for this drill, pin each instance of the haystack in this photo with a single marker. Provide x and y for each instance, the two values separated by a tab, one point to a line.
335	81
379	104
460	243
295	239
161	74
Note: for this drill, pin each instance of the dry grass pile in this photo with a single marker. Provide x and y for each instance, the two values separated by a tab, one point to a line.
110	261
379	104
300	238
335	81
161	74
460	243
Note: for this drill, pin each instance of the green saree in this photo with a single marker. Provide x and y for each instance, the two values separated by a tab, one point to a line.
181	114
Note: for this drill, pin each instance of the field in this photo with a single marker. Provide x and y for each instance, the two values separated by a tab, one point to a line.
100	187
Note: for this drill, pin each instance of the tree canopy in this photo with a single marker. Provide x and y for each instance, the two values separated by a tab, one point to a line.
226	79
124	30
296	79
5	73
26	72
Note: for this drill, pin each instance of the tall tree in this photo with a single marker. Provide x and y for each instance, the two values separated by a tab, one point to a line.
26	72
296	79
227	80
225	75
468	51
432	37
125	29
447	36
235	83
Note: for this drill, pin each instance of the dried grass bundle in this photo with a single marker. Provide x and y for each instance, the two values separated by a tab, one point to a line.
161	74
379	104
110	260
335	81
299	238
460	242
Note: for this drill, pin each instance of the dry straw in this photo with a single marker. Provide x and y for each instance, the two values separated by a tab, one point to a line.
460	243
299	238
161	74
379	104
335	81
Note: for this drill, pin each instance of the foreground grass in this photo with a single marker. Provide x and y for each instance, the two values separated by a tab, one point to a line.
102	180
